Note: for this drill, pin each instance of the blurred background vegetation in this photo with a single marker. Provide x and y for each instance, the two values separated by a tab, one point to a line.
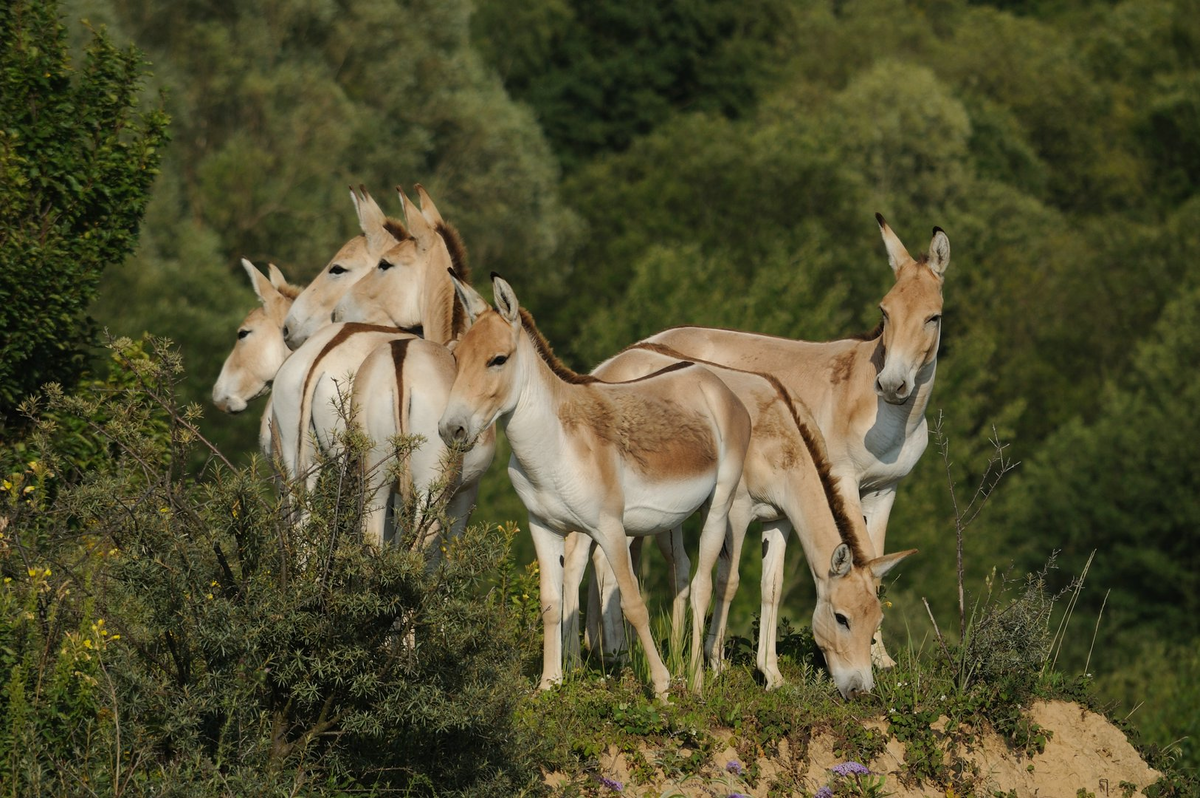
631	165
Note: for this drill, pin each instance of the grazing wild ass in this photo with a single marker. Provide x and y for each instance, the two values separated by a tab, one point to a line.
609	459
785	478
868	394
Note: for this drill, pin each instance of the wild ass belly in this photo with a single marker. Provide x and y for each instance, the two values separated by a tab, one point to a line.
569	502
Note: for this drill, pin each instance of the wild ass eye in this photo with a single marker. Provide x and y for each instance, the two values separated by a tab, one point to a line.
242	334
934	319
337	269
498	360
385	265
842	619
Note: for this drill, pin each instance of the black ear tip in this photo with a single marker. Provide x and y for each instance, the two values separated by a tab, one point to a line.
937	230
879	218
495	275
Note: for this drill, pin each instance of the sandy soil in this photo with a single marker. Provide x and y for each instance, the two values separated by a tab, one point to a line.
1085	751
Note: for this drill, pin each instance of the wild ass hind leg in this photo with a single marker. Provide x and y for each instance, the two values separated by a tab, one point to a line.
612	540
727	579
670	544
549	546
876	508
774	547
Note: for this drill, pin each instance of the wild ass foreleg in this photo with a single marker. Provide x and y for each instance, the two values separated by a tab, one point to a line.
876	508
612	540
549	547
577	548
774	547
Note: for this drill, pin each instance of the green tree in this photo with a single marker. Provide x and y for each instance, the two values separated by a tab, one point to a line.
77	158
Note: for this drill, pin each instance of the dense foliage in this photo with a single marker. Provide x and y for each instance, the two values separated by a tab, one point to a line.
629	166
77	158
168	635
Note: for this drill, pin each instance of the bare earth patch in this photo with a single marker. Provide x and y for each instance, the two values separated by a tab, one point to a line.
1084	751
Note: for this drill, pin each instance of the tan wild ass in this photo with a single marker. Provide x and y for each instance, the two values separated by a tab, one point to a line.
785	478
311	310
259	350
408	379
868	395
609	459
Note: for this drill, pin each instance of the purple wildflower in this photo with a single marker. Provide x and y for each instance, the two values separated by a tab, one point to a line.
738	795
824	792
734	767
850	769
612	784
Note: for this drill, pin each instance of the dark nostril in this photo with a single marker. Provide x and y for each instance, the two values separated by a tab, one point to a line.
286	332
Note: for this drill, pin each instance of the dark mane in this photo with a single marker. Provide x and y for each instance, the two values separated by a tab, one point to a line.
462	270
867	336
458	251
820	456
547	354
396	229
813	440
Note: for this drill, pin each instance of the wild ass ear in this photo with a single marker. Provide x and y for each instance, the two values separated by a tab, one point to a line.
418	225
372	220
939	252
277	278
841	562
881	565
428	209
506	300
472	301
262	286
897	254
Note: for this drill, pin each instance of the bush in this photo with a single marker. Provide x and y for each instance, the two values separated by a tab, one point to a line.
173	635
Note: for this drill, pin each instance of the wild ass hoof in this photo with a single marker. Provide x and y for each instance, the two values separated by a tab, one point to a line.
774	679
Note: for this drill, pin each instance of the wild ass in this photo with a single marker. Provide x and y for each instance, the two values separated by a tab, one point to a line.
406	379
785	479
868	394
610	459
259	350
311	310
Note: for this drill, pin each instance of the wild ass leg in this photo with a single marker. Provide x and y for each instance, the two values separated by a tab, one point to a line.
671	546
611	538
876	508
774	547
712	538
727	579
549	547
576	550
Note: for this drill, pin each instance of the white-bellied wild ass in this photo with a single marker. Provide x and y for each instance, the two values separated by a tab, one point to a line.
610	460
402	388
259	350
406	378
786	478
868	394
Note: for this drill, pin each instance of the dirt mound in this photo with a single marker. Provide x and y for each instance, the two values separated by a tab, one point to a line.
1084	751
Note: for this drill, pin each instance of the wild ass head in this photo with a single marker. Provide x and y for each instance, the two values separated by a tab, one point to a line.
260	349
353	261
410	286
912	314
848	615
490	365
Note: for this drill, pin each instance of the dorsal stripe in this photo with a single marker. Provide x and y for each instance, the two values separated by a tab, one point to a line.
348	330
547	354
